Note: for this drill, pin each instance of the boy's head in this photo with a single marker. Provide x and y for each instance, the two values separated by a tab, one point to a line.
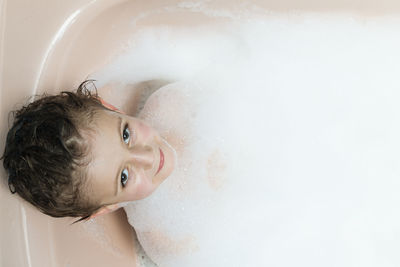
69	155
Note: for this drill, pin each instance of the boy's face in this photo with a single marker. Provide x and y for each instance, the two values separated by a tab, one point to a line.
129	159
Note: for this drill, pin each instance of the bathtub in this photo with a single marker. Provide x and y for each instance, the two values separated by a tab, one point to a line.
49	46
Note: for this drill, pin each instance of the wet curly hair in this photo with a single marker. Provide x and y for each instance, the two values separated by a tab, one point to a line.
46	153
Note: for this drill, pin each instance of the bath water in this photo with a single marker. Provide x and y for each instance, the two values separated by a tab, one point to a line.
287	135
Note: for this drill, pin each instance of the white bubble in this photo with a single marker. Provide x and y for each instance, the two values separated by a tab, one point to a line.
289	137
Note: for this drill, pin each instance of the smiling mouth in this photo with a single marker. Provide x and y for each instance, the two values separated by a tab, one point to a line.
161	161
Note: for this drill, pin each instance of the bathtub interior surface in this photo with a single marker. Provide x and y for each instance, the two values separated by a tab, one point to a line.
48	46
30	32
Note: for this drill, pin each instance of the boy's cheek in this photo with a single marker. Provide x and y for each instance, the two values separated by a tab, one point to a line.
139	191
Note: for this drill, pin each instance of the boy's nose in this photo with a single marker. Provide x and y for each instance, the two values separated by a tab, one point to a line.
143	156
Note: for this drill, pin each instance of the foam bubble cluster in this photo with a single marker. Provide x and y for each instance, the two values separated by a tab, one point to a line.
287	135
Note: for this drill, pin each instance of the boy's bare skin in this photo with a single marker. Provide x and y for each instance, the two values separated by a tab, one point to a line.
126	157
125	145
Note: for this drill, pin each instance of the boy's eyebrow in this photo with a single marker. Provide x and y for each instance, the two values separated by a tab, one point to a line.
119	125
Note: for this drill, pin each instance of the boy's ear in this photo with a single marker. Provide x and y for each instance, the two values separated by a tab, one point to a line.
108	105
105	210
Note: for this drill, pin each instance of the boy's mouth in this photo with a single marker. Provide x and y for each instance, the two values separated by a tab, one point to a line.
161	161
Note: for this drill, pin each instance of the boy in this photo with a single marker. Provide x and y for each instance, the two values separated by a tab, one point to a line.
74	155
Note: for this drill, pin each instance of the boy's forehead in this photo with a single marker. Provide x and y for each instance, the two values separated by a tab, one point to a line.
104	154
104	117
105	136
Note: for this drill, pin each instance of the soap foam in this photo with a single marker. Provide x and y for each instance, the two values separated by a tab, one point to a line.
290	137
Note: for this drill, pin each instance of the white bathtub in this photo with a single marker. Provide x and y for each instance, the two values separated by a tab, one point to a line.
49	45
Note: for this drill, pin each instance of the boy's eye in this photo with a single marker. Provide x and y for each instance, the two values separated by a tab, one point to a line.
126	134
124	177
